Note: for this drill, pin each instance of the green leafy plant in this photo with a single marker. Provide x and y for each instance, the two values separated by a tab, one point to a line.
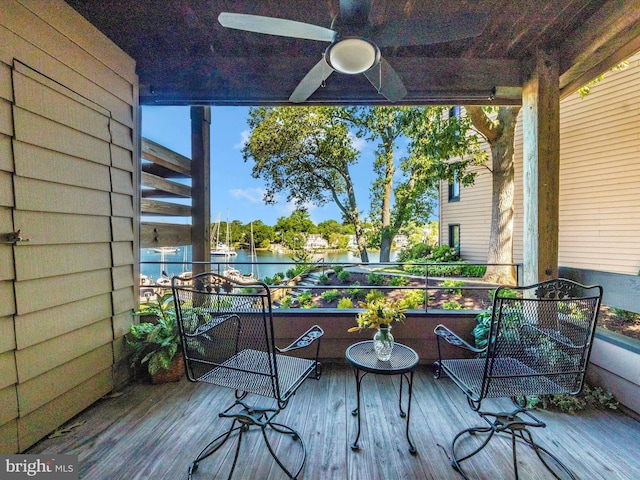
374	295
345	302
323	279
305	300
413	299
398	281
453	283
344	276
625	315
331	295
355	292
589	398
451	305
155	343
338	268
286	301
375	279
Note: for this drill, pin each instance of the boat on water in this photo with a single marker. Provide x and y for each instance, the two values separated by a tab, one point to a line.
169	250
223	250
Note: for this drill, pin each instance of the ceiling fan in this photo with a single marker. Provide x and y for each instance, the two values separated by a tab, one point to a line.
355	43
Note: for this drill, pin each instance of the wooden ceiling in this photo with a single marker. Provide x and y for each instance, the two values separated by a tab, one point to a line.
185	57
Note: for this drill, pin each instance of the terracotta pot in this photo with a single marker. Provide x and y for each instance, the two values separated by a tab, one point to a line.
174	373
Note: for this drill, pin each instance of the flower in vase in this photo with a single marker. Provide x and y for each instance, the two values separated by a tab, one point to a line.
378	313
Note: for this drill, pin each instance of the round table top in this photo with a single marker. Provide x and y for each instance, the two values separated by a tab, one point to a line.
362	356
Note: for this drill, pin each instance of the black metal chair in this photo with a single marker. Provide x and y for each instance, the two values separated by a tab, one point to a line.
539	341
227	333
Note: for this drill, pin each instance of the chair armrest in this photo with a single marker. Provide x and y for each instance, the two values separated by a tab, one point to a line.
451	338
304	340
555	335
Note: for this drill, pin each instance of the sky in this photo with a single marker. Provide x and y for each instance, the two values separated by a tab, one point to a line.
234	192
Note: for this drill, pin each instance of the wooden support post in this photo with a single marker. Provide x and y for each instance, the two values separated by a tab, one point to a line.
541	168
200	187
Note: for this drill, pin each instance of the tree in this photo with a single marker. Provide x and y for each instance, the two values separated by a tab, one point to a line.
305	153
500	134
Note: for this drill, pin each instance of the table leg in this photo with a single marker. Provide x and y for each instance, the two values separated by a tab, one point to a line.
356	412
412	449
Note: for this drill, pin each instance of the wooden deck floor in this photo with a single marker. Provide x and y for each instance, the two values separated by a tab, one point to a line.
153	432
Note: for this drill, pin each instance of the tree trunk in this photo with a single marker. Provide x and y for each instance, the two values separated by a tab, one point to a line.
387	237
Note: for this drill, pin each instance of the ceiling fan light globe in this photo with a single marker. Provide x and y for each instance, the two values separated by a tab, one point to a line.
352	55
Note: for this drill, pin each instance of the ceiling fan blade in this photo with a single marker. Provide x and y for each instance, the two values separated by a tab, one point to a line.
276	26
387	81
435	29
311	81
355	12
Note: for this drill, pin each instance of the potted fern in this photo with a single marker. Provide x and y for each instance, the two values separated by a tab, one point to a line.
156	343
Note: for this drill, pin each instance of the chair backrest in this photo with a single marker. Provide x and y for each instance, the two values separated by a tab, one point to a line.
226	327
540	339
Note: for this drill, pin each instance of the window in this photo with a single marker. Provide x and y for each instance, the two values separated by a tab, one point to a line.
454	190
454	236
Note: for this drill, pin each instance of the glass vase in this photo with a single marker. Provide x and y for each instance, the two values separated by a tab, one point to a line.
383	343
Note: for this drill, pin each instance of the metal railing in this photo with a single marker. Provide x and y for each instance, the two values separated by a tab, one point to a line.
445	286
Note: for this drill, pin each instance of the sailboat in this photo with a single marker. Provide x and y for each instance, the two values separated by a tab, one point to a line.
235	273
221	249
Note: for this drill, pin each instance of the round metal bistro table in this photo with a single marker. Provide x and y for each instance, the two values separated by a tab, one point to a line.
403	362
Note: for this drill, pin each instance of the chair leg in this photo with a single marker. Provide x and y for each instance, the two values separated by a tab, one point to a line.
518	428
243	420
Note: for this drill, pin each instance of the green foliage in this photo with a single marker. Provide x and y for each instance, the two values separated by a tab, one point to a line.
626	316
344	276
418	251
451	305
375	279
155	343
276	279
374	295
345	302
286	301
453	283
295	271
443	254
481	330
355	292
590	398
323	279
473	271
413	299
397	281
330	295
305	300
338	268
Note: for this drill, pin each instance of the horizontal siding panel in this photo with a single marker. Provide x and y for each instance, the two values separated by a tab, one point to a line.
122	205
8	405
36	327
122	277
36	392
8	374
122	181
43	421
122	158
121	326
6	117
37	130
40	34
39	163
122	253
6	189
37	359
6	298
58	107
7	335
6	155
41	261
122	229
121	135
6	92
6	260
34	295
124	300
38	195
44	228
9	437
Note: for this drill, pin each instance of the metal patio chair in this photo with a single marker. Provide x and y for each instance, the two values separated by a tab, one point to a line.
539	342
227	332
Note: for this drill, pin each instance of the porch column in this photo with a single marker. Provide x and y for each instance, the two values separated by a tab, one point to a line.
200	187
541	167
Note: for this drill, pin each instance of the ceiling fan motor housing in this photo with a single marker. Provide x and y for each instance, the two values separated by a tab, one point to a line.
352	55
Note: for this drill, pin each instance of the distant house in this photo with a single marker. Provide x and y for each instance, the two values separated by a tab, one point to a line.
352	243
401	240
316	242
599	184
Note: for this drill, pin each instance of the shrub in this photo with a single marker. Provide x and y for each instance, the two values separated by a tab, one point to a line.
398	281
330	295
589	398
355	292
474	271
625	316
286	301
273	280
323	279
345	303
451	305
338	268
344	276
453	283
443	253
305	300
374	295
419	250
413	299
375	279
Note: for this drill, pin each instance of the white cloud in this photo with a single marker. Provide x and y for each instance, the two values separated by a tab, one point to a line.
358	143
244	138
253	195
289	207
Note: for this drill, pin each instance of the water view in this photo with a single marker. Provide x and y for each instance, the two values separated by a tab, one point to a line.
180	261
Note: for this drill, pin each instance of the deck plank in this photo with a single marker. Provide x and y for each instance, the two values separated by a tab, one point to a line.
155	431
